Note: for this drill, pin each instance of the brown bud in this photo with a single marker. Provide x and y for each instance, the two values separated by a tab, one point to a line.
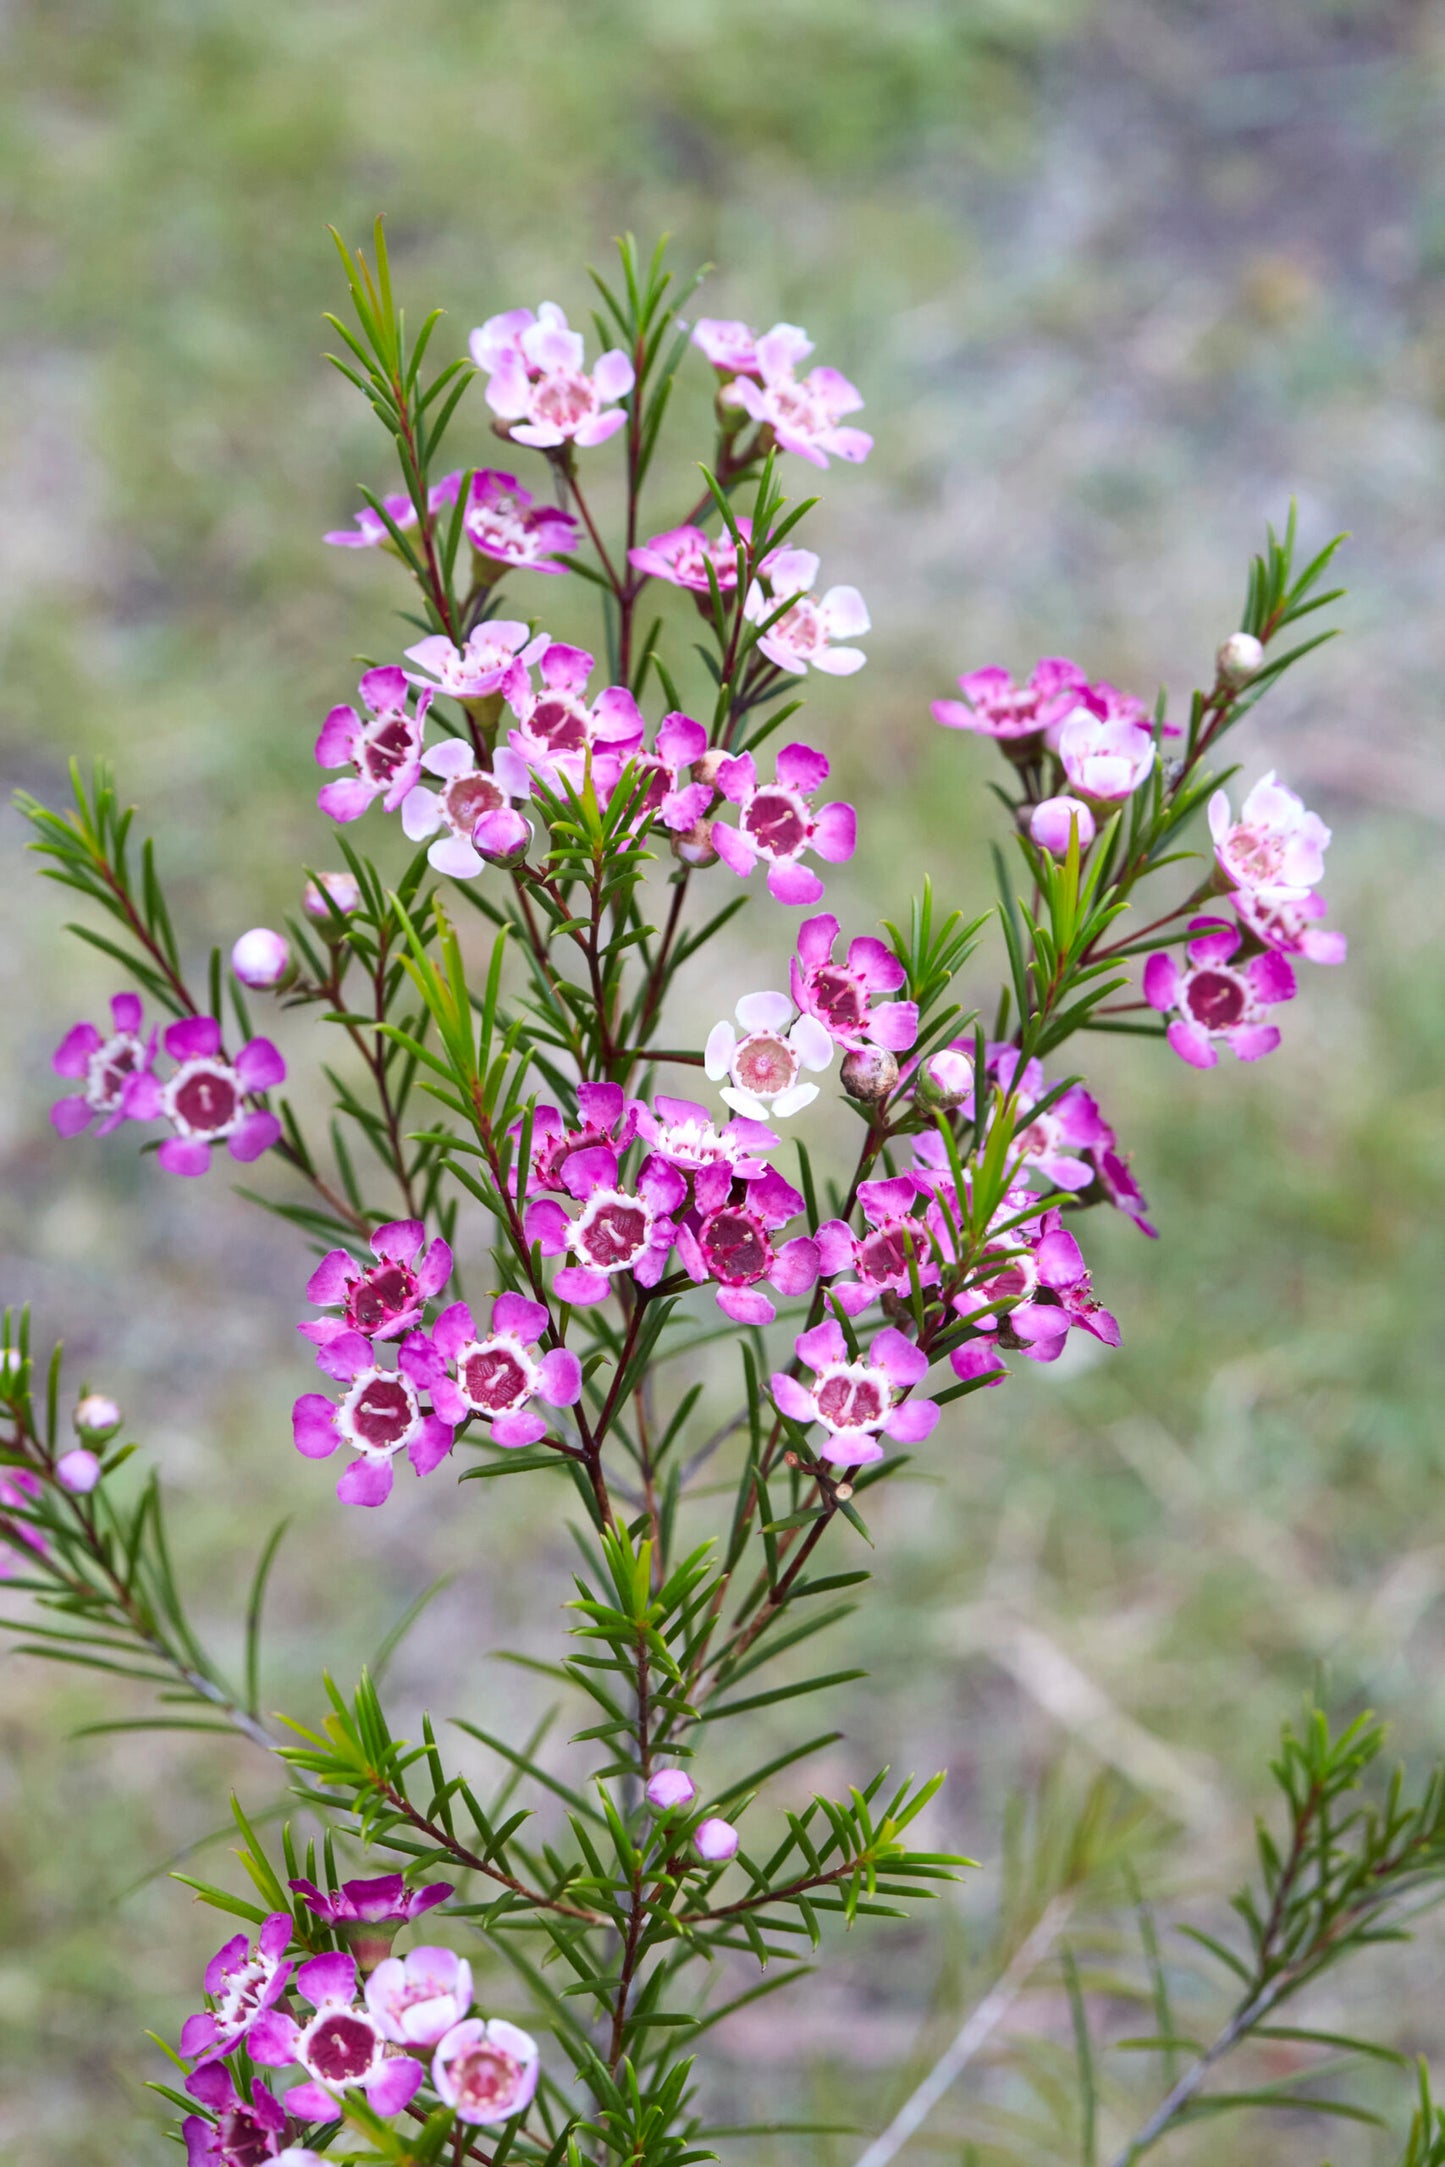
842	1491
870	1074
704	769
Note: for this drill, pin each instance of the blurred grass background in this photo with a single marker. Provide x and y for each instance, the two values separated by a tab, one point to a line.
1116	279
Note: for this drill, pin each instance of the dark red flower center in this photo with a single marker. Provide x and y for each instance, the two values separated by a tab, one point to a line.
387	747
883	1257
342	2047
110	1067
243	2140
385	1292
467	799
838	998
205	1097
493	1379
736	1247
613	1234
659	782
558	723
776	822
1216	999
382	1413
850	1403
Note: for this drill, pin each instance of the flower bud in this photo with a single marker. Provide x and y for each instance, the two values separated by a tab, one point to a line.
503	837
1238	658
262	960
869	1074
96	1418
78	1470
945	1080
716	1840
343	889
705	768
695	846
671	1787
1051	822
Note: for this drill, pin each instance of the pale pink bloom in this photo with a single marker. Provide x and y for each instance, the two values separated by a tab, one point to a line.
473	809
96	1418
385	748
418	1997
379	1415
1275	843
945	1080
342	2046
538	382
856	1400
803	636
1105	760
777	823
841	995
103	1067
206	1099
1052	822
1109	704
763	1066
384	1299
716	1840
500	1372
1285	918
1211	998
618	1230
732	1244
994	706
486	2072
683	554
671	1788
261	959
729	345
472	671
558	726
804	413
683	1133
371	530
502	522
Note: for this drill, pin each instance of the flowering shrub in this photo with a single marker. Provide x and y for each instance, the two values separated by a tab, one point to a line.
502	988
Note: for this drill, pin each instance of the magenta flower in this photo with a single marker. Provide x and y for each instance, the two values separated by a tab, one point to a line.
669	1789
840	995
1275	843
1212	998
729	345
205	1099
384	1900
539	385
19	1488
472	671
105	1067
473	808
379	1416
678	804
381	1300
419	1997
385	749
1039	1268
683	554
371	530
1052	823
856	1400
880	1258
777	824
78	1471
733	1245
803	413
558	726
243	1980
803	636
716	1840
683	1134
242	2134
995	706
497	1376
502	522
341	2046
486	2072
1284	919
1105	759
763	1066
617	1231
978	1360
1109	704
608	1117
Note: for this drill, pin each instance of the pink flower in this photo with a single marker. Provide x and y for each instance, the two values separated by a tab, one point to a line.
608	1117
385	749
499	1374
19	1488
995	706
472	671
242	1981
1105	760
803	412
473	809
558	726
379	1416
486	2072
762	1067
683	554
1052	822
1274	844
1283	918
538	383
78	1471
104	1065
1109	704
617	1230
803	635
881	1257
242	2135
371	530
205	1099
716	1840
1211	998
777	823
502	522
671	1788
840	995
732	1244
978	1362
417	1998
678	804
343	2045
1040	1270
682	1133
381	1300
729	345
855	1400
384	1900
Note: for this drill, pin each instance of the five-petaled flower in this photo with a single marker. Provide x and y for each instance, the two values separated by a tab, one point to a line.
498	1373
243	1980
384	748
473	809
343	2045
777	823
557	726
608	1117
617	1230
841	995
804	413
104	1067
801	636
1038	1268
383	1900
1104	757
417	1998
371	530
684	1134
994	706
379	1415
886	1259
1210	997
1275	843
486	2072
537	381
205	1099
857	1398
245	2133
732	1244
380	1300
472	671
502	523
667	796
763	1065
682	556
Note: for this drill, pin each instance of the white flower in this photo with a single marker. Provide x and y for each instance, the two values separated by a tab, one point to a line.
762	1066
